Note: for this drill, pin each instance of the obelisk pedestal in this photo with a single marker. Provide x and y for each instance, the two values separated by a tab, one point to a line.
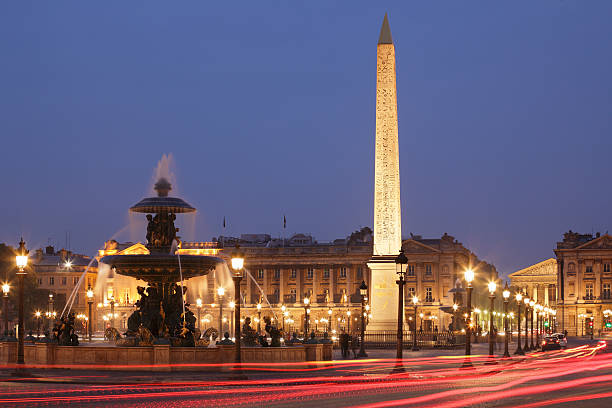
387	208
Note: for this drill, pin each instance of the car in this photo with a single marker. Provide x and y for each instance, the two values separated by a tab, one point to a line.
562	339
551	343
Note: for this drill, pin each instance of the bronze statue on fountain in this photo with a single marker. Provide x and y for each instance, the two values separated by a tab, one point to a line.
160	307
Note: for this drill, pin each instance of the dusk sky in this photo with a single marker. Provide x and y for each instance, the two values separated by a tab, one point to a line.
505	118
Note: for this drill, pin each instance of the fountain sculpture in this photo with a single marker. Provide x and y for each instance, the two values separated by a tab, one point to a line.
161	314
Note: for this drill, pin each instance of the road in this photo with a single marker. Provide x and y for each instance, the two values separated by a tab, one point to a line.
581	374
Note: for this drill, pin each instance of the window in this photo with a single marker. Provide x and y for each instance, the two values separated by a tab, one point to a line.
40	281
326	274
410	271
64	281
607	267
552	293
51	281
310	273
411	293
428	269
606	291
589	269
445	270
589	291
276	274
260	274
293	273
428	295
75	280
360	272
343	272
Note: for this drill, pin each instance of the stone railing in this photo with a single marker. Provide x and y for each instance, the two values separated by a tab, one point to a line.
158	357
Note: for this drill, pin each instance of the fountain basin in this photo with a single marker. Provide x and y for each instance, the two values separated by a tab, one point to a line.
162	268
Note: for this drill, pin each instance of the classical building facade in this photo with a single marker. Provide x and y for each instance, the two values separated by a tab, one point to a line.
62	273
584	280
539	281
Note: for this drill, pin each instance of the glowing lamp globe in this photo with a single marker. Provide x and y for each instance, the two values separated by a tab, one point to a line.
469	275
492	287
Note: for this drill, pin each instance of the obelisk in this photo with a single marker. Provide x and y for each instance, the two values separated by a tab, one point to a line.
387	209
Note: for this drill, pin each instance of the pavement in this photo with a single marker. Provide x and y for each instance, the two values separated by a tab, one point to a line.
436	378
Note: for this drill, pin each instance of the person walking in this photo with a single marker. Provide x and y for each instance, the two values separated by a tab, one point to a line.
344	344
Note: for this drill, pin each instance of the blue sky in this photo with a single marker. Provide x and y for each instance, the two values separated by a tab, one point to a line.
268	110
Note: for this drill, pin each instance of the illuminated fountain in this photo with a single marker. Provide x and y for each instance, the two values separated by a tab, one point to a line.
161	314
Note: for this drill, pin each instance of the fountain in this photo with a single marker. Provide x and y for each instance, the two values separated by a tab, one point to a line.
161	310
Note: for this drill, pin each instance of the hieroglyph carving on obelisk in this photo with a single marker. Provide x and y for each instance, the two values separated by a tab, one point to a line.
387	210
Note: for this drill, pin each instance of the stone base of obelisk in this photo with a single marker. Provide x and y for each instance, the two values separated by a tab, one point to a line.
383	294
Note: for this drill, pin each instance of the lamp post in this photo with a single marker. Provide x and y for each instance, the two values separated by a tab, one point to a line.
469	277
306	317
492	288
415	302
531	307
348	320
21	259
283	310
112	310
329	320
90	296
237	266
506	296
455	308
538	308
400	267
363	291
519	350
220	293
476	316
50	313
526	301
259	318
5	290
232	306
37	315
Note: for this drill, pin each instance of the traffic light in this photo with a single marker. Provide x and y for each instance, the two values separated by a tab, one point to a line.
546	323
608	325
590	324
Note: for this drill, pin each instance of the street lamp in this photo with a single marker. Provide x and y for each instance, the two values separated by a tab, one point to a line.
329	319
306	316
283	310
50	313
237	265
5	290
259	318
506	296
37	315
400	268
476	315
469	277
363	291
519	350
220	293
232	305
90	295
415	302
21	259
531	308
492	287
538	308
526	300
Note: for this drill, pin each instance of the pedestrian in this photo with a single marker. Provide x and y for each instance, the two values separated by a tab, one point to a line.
344	344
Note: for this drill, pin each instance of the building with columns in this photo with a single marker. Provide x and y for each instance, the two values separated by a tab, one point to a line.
584	279
539	281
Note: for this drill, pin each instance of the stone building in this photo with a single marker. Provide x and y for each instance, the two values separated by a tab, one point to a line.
539	281
59	273
584	280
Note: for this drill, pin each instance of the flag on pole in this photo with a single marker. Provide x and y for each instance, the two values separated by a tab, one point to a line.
223	222
284	222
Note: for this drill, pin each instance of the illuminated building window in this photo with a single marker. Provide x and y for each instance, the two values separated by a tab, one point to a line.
343	272
326	274
51	281
410	271
589	291
589	269
310	273
260	274
428	295
606	291
293	273
428	269
607	267
411	293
